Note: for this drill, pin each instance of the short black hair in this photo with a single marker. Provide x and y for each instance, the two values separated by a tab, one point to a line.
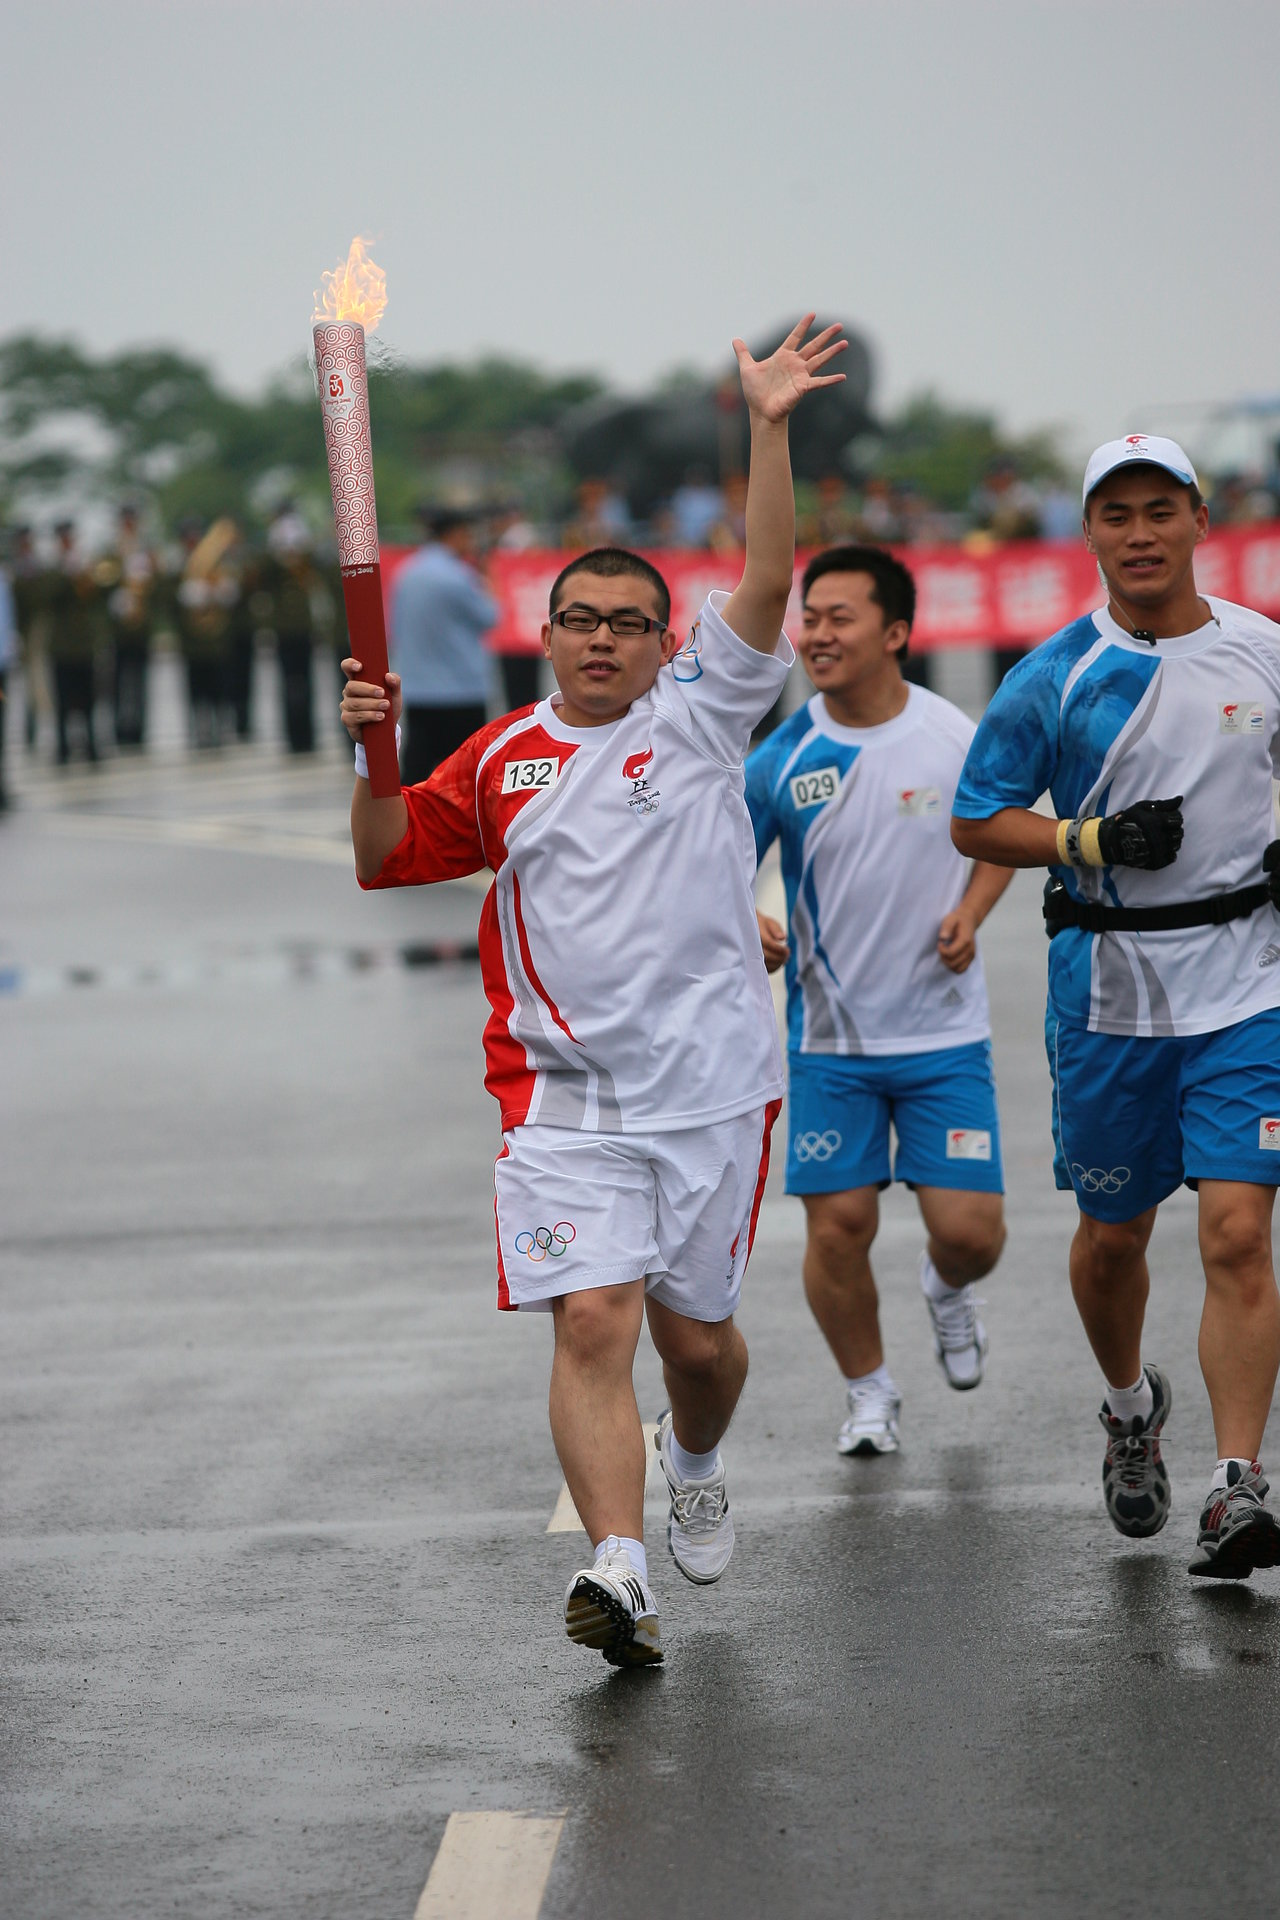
1194	496
615	563
441	521
893	586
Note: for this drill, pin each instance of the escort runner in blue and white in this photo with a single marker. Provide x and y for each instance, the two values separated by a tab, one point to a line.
1153	725
886	1003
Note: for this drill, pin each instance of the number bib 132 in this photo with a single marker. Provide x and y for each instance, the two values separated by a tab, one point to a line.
530	776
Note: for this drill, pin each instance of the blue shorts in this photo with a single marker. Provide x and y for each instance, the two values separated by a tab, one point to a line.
942	1107
1133	1118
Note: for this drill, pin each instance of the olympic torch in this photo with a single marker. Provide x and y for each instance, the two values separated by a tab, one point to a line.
353	302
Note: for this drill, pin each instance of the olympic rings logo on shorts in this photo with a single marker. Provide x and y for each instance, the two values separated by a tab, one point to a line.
817	1146
547	1243
1099	1179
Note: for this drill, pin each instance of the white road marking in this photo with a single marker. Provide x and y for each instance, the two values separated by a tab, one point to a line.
226	835
491	1866
331	846
565	1518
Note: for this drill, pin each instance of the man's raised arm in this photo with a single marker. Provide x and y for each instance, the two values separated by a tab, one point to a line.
772	389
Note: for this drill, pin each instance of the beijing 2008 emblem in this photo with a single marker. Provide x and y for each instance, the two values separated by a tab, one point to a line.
644	796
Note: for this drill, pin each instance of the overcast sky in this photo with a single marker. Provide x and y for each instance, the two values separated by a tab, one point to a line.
1060	210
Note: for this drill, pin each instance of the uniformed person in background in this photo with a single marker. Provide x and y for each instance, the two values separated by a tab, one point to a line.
76	639
251	610
292	578
128	575
206	593
29	580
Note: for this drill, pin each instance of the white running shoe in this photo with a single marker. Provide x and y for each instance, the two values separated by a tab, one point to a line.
959	1337
700	1530
608	1606
872	1426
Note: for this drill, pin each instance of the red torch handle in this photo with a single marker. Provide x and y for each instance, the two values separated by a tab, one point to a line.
367	636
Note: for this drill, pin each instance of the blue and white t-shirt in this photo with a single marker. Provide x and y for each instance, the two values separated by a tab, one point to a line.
863	816
1101	720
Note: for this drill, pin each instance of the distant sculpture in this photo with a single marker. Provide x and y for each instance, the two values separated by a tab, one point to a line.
646	448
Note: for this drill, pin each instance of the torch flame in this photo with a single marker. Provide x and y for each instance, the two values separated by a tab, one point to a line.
355	290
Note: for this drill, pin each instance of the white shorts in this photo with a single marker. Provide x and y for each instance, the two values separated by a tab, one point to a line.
678	1210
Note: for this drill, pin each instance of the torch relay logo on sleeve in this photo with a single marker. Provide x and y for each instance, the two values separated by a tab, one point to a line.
1269	1134
686	665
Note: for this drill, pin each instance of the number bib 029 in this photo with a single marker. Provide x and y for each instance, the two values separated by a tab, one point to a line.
815	789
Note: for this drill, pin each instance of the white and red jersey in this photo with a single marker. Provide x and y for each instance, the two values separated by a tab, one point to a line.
618	943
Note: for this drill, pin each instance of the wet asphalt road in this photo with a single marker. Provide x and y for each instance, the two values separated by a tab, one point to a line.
278	1595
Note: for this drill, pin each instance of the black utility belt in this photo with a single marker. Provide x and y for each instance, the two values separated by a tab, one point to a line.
1094	916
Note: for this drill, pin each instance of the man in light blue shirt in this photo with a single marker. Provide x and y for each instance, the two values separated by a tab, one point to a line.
440	613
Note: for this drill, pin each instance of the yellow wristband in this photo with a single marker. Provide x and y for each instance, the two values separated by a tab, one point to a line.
1064	827
1089	849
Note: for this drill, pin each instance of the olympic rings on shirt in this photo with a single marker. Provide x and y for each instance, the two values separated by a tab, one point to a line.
1099	1179
547	1242
817	1146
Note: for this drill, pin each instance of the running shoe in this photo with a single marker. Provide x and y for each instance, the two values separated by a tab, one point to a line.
1135	1484
1238	1531
700	1530
872	1426
959	1337
609	1607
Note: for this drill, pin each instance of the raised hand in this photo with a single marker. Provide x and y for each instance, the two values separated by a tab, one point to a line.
773	388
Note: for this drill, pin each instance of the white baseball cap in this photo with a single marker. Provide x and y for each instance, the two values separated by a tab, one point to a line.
1138	449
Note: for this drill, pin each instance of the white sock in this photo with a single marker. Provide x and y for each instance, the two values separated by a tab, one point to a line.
1223	1476
1131	1403
880	1378
692	1466
634	1550
932	1281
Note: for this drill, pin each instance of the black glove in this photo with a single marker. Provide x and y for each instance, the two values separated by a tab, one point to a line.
1271	867
1146	835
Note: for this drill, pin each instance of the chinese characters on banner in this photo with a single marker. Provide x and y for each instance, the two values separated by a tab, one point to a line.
1004	596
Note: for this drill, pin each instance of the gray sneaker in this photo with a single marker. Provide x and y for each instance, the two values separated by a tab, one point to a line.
872	1426
1135	1484
700	1530
959	1337
1238	1531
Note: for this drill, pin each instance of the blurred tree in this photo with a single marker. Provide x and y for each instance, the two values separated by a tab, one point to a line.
154	421
947	452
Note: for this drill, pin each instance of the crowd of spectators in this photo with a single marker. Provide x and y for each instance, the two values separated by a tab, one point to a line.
82	622
707	515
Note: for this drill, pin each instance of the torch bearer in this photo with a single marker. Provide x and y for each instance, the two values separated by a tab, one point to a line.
354	298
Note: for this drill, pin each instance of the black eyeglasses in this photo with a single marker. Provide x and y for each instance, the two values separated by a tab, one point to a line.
625	624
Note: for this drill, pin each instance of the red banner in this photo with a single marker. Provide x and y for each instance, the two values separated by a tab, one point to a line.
1003	596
